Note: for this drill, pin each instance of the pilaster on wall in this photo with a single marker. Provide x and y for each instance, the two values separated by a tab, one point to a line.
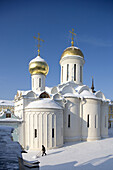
38	82
72	67
43	123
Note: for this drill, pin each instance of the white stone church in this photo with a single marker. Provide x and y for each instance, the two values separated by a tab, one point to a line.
69	112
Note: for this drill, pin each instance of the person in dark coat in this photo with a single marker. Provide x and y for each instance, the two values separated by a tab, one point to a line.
43	150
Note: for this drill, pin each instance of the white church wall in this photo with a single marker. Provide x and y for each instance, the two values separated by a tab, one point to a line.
43	121
20	112
20	105
59	129
27	100
72	132
71	60
91	120
104	119
38	82
21	134
60	102
68	115
18	108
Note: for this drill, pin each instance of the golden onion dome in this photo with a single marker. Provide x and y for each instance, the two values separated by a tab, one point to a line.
70	51
38	66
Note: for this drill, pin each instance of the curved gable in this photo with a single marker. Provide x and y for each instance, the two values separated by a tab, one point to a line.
54	90
80	89
68	89
57	97
31	94
99	94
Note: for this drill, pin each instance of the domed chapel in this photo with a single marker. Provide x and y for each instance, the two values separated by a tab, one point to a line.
69	112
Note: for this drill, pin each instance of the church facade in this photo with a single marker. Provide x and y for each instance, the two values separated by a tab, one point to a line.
69	112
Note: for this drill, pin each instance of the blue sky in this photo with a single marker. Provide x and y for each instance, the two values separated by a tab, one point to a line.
21	20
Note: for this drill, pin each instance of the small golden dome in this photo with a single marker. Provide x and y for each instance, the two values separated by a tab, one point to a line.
38	66
70	51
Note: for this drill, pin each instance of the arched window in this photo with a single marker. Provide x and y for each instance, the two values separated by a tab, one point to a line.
95	121
35	133
39	82
68	120
8	115
67	72
44	95
105	121
52	132
88	121
74	72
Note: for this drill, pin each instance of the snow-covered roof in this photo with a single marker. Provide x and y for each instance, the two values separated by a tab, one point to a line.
10	120
37	59
70	83
71	89
23	93
87	94
72	52
48	89
13	118
44	103
72	95
57	96
71	56
110	102
99	94
6	102
28	94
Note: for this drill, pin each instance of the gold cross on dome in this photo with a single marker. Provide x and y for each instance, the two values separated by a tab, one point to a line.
38	38
72	32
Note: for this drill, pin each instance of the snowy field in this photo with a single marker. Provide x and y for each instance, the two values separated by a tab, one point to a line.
96	155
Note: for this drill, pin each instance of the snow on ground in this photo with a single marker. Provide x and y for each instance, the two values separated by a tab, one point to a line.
7	102
96	155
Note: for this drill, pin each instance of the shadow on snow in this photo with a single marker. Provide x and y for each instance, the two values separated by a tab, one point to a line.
101	163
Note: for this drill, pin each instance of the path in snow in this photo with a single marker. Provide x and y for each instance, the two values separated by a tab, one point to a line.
96	155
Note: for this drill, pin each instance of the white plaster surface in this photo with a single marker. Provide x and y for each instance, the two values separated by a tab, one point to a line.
70	97
71	60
